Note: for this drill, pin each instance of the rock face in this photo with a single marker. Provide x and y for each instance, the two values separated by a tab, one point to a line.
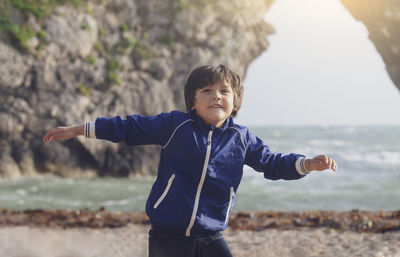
382	19
113	58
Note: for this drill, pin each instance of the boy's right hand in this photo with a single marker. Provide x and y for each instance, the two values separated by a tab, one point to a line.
63	133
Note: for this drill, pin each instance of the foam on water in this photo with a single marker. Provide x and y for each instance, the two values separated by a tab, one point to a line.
378	158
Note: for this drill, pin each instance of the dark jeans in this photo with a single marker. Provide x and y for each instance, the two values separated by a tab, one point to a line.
167	244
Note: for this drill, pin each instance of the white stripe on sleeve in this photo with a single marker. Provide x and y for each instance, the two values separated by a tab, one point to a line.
90	130
301	166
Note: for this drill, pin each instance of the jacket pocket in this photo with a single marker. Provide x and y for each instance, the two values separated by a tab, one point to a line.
164	194
231	195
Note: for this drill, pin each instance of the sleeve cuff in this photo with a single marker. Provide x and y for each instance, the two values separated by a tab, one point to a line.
90	130
301	167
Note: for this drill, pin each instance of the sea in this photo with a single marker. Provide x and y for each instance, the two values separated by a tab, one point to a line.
367	178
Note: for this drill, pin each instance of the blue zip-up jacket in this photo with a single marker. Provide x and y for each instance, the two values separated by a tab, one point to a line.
200	166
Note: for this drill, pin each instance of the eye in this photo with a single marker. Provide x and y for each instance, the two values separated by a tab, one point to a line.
225	91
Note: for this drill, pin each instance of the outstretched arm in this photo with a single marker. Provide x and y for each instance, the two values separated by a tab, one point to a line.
283	166
63	133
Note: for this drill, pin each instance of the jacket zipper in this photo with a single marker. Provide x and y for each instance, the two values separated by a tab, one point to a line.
231	195
200	186
164	194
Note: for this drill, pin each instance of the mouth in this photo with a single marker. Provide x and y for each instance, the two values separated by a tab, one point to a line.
215	106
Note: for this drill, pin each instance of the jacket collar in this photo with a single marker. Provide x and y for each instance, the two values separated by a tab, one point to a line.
203	125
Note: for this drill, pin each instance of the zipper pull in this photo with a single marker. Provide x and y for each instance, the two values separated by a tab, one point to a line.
209	137
232	192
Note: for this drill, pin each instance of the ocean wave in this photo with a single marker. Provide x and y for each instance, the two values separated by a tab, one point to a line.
316	142
110	203
379	158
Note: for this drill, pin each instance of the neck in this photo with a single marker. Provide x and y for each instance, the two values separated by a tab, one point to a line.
217	124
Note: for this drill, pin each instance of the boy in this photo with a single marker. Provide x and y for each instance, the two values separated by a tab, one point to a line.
201	162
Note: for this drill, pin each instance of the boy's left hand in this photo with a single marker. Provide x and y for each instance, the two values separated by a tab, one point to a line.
321	162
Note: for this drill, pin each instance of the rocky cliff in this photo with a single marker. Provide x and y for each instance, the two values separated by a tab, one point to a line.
382	19
67	63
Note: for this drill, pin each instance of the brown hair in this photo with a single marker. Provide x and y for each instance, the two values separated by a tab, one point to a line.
209	75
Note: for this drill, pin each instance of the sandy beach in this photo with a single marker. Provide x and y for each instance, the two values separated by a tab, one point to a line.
131	241
102	233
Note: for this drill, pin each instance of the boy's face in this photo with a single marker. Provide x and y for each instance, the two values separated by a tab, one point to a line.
214	103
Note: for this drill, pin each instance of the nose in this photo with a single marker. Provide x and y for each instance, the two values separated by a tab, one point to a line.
217	95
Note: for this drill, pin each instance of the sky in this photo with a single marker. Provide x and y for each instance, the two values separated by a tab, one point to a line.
320	69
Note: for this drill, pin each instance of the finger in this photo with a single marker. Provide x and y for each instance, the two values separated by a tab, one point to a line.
46	137
334	166
52	135
329	163
49	133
